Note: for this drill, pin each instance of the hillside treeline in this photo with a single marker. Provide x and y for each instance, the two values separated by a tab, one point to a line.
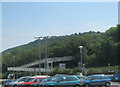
99	49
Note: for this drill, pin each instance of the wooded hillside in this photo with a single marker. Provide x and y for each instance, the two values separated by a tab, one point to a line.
99	49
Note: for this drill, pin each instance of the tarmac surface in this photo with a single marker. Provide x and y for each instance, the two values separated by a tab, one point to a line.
113	84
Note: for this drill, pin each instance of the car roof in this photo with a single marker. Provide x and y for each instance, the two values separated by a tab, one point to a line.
39	76
98	75
22	78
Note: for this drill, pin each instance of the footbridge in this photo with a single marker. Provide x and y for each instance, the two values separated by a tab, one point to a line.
26	67
49	60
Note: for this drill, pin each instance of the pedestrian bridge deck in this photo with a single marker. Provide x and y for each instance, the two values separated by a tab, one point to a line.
49	60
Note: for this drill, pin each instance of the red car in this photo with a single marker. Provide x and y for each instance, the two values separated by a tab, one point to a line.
30	80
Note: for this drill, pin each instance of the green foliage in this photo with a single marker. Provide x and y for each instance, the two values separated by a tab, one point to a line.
60	71
106	70
4	75
99	49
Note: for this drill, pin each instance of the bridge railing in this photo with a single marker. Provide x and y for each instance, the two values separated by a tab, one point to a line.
26	69
49	60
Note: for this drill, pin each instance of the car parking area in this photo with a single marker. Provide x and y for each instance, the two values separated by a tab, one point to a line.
61	80
113	84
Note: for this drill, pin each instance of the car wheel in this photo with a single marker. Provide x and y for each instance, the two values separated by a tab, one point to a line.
77	85
87	85
107	85
37	86
15	85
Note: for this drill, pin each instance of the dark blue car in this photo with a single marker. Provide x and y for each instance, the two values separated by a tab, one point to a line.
97	80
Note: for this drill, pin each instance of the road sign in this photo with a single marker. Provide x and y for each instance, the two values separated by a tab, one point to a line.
62	65
79	66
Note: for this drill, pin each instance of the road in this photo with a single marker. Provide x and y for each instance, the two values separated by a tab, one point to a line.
113	84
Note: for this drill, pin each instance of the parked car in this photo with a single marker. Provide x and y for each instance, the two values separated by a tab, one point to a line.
62	81
6	82
30	80
97	80
81	77
44	80
116	77
110	76
15	82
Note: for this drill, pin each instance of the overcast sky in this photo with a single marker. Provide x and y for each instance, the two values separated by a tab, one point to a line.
22	21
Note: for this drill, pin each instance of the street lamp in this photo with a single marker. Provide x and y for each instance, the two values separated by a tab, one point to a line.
81	47
46	54
39	38
108	67
14	66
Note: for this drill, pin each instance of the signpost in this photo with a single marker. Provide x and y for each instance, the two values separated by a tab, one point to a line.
79	66
62	65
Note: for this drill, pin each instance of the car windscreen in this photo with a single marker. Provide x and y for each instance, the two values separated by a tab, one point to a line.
88	78
29	80
105	77
70	78
81	77
47	79
40	79
23	79
96	77
64	78
56	78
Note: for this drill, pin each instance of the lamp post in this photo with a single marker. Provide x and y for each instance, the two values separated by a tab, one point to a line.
46	54
81	47
108	67
39	38
14	66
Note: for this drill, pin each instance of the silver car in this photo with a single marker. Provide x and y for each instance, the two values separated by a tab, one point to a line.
14	83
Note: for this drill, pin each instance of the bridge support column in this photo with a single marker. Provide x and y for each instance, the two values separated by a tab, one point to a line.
17	74
51	65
